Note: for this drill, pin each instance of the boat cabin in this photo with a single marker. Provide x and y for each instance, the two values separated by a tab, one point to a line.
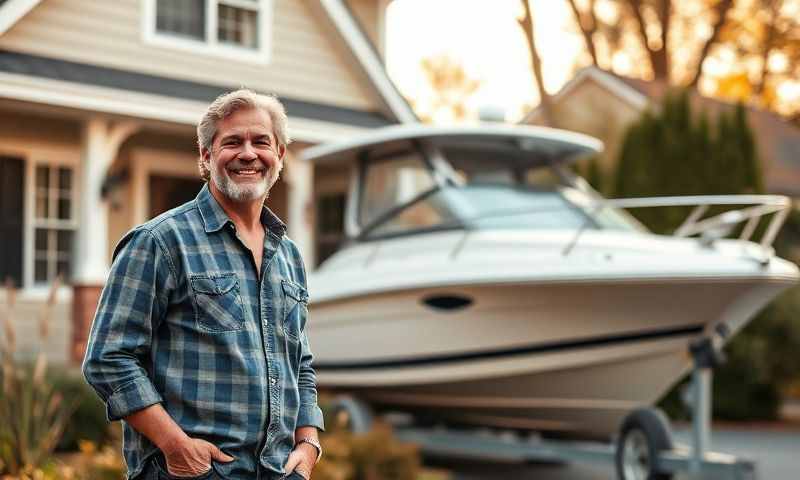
416	179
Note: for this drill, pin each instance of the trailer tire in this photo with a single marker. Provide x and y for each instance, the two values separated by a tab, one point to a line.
355	414
644	434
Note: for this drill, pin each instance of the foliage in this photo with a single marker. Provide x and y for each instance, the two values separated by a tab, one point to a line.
89	464
375	455
753	43
88	422
657	37
767	52
33	413
762	360
672	152
371	456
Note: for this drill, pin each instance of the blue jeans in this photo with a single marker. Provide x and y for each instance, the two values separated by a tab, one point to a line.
156	469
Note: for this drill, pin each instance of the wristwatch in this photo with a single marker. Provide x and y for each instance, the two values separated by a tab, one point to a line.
314	443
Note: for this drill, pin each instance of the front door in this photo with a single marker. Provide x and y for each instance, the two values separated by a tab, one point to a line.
170	192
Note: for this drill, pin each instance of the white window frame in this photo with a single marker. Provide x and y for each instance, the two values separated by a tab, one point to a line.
211	46
70	224
52	155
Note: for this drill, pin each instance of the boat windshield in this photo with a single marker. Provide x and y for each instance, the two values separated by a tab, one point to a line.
391	183
400	196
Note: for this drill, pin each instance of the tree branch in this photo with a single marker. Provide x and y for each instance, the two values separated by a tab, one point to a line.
773	7
587	30
721	9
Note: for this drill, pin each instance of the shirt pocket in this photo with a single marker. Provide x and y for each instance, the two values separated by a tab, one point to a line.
217	302
295	308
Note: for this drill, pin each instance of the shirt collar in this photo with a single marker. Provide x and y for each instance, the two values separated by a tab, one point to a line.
214	217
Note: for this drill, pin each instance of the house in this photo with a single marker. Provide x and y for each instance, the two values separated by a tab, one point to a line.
98	106
603	105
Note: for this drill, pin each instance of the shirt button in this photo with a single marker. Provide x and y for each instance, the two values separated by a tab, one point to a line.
273	380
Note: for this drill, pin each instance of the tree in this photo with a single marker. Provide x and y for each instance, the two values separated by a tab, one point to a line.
654	28
450	90
673	152
763	36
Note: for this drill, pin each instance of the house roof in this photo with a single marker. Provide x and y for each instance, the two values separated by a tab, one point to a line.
778	139
56	69
30	77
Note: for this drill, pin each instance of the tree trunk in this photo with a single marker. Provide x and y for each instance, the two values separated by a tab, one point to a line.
536	62
773	7
659	59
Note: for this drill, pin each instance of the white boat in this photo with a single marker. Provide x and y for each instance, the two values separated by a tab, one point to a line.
484	283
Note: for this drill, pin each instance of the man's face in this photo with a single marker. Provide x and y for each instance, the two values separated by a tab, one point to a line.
245	159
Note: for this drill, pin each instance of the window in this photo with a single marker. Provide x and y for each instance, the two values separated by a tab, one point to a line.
237	26
53	222
230	28
184	18
330	224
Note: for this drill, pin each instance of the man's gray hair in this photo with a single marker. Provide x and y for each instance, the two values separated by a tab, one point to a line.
228	103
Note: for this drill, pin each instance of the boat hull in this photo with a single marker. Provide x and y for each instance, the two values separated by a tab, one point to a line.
565	356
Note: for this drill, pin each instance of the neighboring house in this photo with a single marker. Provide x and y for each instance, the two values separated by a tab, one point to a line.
603	105
98	106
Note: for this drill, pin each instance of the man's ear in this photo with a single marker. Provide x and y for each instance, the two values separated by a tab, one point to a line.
281	151
205	155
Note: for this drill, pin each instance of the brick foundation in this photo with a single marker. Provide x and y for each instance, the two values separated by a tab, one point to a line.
84	304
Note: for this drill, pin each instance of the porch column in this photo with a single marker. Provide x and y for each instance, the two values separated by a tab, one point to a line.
300	207
101	141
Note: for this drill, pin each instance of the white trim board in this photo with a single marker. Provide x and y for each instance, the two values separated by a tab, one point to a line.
211	46
616	86
13	11
361	48
145	106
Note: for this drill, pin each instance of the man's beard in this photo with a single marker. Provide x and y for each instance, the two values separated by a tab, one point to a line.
244	192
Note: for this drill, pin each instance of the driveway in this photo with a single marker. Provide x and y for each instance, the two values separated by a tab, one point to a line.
776	451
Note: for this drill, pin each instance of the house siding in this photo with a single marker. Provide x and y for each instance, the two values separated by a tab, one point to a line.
305	62
590	108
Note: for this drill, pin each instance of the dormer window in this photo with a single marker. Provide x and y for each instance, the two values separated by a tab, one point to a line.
229	28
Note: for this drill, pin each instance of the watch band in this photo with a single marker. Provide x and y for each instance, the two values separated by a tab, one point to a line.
314	443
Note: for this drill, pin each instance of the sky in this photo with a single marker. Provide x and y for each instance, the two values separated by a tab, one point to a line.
488	42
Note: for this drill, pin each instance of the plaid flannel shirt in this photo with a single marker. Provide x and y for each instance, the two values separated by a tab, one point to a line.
184	321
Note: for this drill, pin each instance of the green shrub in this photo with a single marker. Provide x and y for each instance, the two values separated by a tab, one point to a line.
88	422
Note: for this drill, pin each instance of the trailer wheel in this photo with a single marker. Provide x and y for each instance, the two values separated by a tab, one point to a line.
352	414
645	433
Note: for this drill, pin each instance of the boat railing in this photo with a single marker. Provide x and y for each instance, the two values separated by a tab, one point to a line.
758	206
754	208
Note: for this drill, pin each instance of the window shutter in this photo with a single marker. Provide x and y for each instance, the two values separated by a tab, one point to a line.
12	181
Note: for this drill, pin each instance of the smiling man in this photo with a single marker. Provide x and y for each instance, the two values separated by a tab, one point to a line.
199	342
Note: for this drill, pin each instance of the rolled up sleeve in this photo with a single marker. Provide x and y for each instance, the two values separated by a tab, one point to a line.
131	306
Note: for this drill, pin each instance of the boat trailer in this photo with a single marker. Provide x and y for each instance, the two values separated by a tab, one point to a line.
643	449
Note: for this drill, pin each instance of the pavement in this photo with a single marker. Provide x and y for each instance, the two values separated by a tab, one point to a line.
775	448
